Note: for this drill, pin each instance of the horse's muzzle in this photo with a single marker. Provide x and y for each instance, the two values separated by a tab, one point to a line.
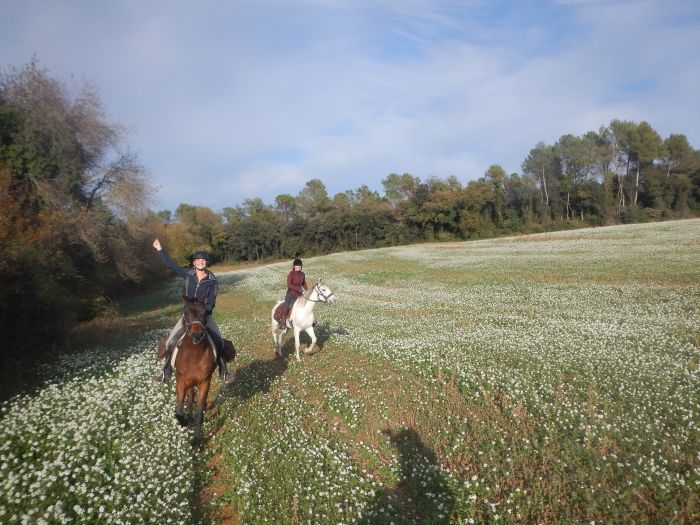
197	337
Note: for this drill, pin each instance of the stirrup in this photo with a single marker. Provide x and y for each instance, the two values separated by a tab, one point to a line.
226	377
160	379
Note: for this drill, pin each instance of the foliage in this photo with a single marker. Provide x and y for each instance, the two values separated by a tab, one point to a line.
622	173
74	221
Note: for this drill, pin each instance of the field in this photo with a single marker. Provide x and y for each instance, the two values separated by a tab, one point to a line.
551	378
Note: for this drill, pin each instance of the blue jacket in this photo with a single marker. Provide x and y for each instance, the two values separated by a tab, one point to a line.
206	288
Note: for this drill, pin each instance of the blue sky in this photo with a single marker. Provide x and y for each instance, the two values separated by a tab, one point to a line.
242	99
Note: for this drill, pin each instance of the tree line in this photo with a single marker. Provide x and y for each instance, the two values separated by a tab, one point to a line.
76	225
623	173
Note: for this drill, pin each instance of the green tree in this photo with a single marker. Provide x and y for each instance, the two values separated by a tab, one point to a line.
678	156
286	205
400	188
475	218
75	220
540	164
645	145
495	177
620	140
313	199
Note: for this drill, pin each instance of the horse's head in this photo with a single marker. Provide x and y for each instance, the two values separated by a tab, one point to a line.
324	293
195	315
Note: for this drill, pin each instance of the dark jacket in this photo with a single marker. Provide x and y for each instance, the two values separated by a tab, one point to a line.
296	282
206	288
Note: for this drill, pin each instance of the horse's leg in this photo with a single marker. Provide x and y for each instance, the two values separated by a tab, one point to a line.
275	342
312	335
190	403
180	394
297	332
202	392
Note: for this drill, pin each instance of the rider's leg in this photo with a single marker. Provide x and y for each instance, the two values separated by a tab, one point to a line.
287	305
167	372
218	339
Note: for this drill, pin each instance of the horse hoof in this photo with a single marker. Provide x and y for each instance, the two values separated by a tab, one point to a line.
182	420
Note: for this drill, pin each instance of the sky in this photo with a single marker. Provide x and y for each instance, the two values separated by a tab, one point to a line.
244	99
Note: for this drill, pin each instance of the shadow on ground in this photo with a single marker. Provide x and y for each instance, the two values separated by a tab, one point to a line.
422	495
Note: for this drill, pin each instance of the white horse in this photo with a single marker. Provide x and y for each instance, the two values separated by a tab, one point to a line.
301	318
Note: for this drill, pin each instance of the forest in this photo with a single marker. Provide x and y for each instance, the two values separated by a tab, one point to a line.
77	223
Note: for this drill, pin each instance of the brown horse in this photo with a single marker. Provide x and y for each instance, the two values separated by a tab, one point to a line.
194	365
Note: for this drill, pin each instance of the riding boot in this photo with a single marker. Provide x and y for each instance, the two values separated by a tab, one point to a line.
167	372
223	373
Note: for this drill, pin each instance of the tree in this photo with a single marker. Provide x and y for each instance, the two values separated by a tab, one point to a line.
622	156
539	164
678	156
75	220
195	228
645	144
495	177
400	188
166	216
475	218
313	199
286	205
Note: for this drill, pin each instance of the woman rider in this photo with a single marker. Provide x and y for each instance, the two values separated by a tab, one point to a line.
199	283
296	282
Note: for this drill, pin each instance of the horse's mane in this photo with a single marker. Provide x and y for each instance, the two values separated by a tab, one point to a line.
303	297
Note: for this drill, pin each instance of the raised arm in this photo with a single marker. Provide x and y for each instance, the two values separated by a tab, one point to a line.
168	261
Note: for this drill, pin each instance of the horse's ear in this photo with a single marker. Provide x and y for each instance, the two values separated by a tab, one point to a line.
185	299
320	281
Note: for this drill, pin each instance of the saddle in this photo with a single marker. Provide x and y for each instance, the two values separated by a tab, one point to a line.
228	351
281	312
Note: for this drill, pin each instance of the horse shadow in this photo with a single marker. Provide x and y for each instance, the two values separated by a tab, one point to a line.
248	381
255	378
420	476
324	331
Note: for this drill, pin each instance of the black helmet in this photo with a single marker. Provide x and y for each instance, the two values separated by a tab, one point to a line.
200	255
296	262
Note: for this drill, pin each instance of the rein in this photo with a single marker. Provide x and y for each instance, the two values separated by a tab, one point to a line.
318	290
189	325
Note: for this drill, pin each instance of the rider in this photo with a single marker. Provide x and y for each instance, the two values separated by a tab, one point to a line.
199	283
296	282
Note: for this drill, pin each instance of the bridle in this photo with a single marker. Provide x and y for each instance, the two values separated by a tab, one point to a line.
189	325
317	287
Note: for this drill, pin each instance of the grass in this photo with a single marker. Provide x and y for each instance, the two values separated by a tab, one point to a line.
550	378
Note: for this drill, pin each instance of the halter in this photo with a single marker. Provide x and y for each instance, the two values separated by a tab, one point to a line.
318	290
188	325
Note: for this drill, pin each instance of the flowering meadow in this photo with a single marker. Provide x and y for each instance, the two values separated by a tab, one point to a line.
96	444
550	378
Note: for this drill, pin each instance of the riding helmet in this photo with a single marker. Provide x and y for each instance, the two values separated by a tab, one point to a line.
296	262
200	255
